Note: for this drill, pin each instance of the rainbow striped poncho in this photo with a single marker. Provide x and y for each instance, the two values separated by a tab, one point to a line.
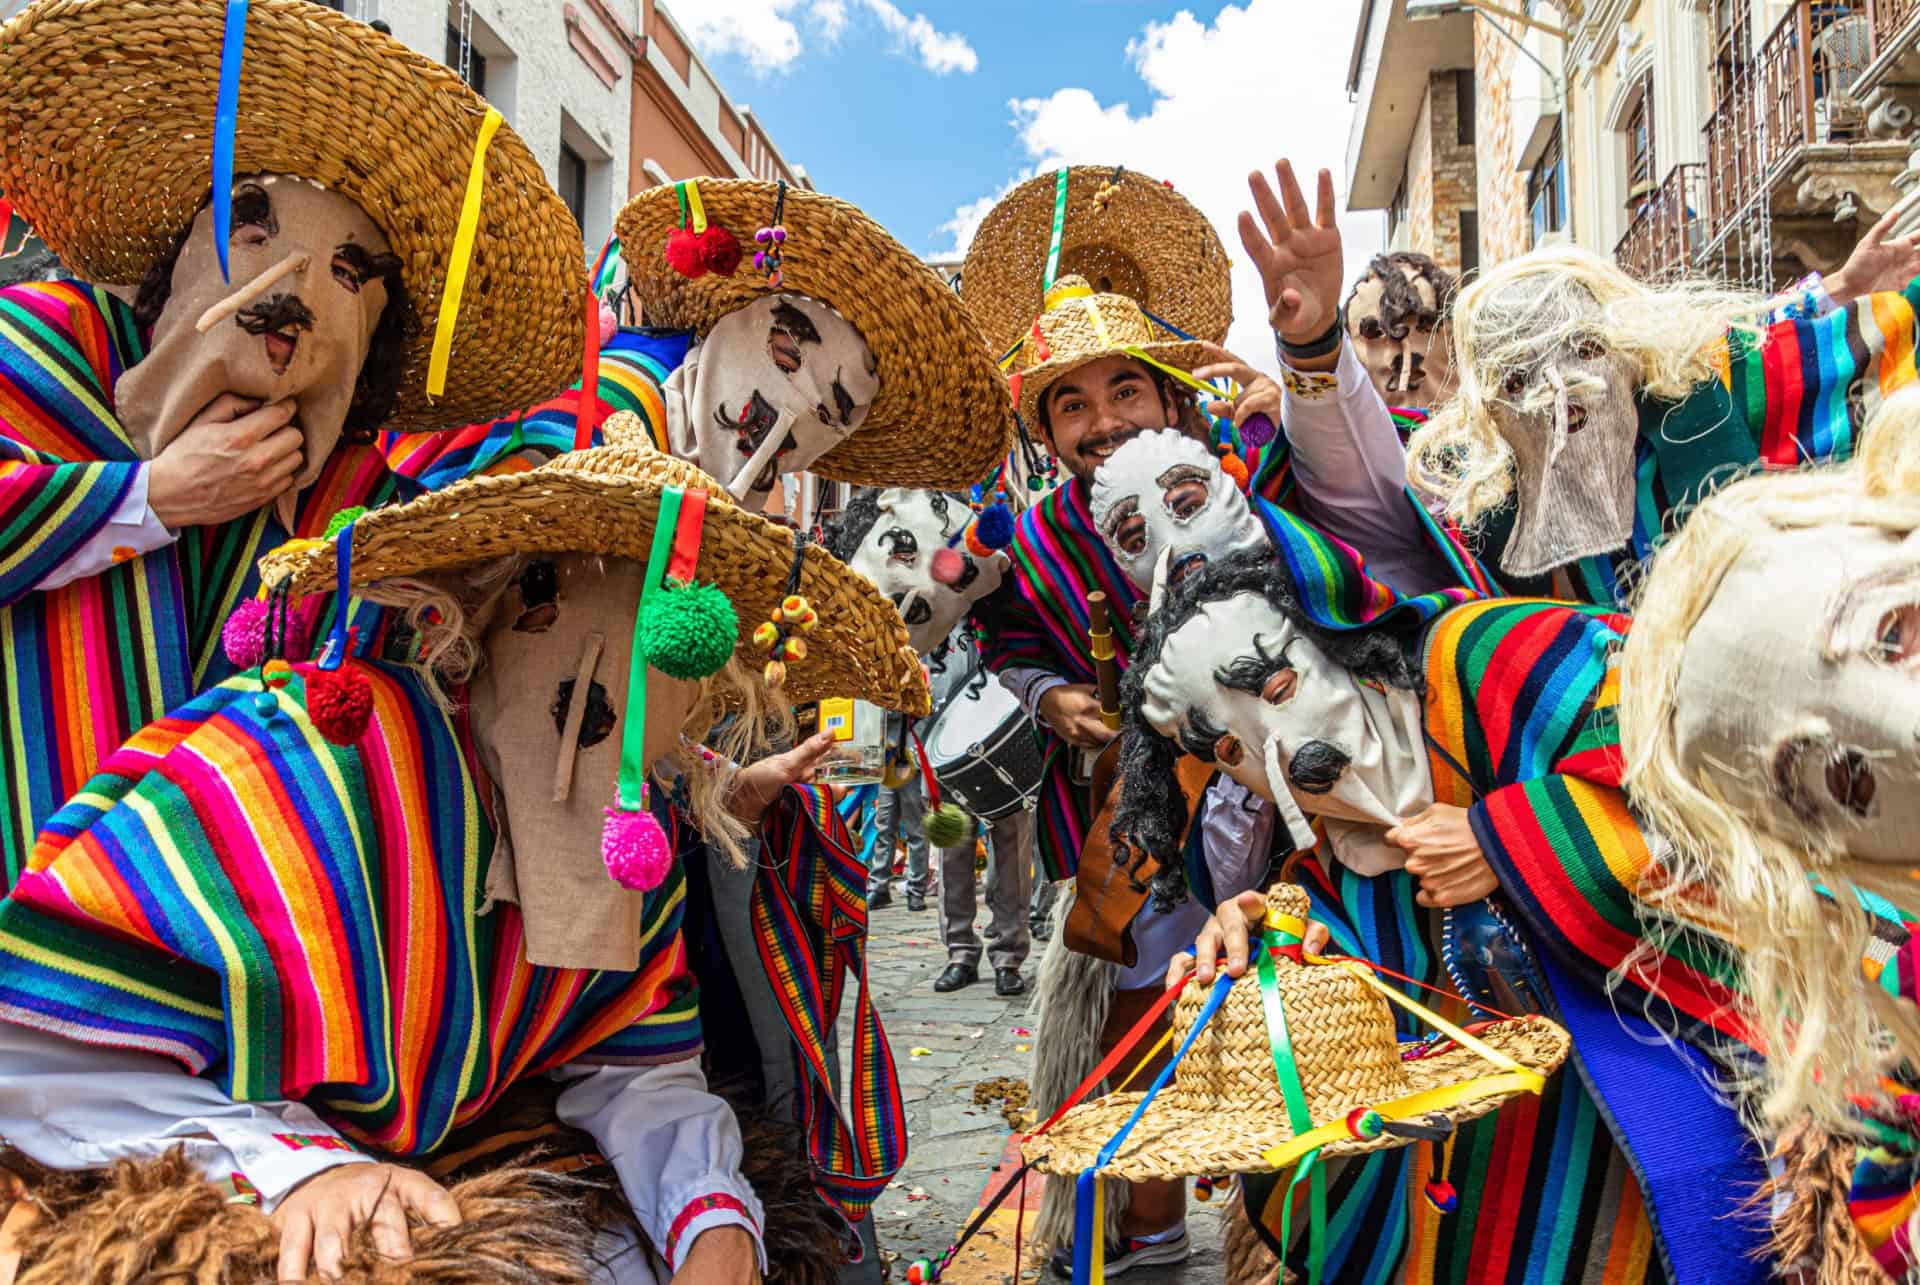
1797	393
1626	1168
297	919
89	664
1038	618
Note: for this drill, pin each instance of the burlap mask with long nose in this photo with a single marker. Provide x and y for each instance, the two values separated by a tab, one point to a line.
304	337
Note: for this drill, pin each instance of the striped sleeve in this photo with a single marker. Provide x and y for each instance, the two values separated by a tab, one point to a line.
65	466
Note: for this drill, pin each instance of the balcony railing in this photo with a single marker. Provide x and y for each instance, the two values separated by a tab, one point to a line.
1668	230
1891	18
1793	92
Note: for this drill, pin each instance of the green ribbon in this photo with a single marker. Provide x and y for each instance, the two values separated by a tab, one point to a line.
630	794
1059	228
1288	1072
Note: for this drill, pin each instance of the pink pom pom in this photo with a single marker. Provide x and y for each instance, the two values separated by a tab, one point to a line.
947	567
609	322
244	636
635	849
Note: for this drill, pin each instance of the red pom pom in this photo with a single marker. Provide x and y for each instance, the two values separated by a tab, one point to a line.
1236	468
340	703
244	636
635	849
685	253
719	250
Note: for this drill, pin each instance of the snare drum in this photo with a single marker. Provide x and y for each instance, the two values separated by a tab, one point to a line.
983	750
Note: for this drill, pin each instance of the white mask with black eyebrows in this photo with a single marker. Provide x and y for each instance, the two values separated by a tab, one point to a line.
1165	493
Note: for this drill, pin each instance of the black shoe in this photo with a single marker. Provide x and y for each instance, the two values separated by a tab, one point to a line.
1042	929
991	934
954	976
916	903
1128	1255
1007	981
880	897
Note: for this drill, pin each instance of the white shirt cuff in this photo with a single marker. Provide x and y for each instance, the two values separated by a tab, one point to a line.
130	531
276	1161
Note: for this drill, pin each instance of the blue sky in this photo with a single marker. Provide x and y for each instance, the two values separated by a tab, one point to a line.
923	115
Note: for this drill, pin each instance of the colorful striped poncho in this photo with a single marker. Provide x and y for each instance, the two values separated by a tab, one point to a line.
1038	618
88	664
1626	1169
296	919
1797	393
634	365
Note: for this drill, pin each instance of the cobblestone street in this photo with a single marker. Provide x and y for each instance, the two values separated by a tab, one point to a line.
964	1038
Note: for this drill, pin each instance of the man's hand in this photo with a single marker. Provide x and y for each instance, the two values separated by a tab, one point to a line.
1259	395
720	1256
1073	712
1881	261
1298	254
757	785
317	1221
1230	930
1444	856
234	457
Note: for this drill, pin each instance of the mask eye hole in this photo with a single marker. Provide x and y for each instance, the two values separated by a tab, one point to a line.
1280	686
539	587
1898	641
1131	535
1370	328
1227	751
1514	382
1589	347
1184	499
900	545
1850	781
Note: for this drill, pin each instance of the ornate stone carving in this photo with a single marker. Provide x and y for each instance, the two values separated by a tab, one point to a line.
1824	181
1890	111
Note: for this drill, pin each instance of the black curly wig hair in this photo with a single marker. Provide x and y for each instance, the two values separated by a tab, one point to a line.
378	388
1150	815
1401	307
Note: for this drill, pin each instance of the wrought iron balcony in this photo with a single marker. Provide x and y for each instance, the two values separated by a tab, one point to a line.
1668	229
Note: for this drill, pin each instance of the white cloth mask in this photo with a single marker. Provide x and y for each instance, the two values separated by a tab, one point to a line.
911	554
1798	696
1163	493
770	389
1293	725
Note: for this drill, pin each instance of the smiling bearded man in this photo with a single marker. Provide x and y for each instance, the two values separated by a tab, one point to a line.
1465	769
150	452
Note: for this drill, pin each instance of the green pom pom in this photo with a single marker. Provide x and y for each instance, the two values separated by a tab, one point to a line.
947	826
688	631
342	518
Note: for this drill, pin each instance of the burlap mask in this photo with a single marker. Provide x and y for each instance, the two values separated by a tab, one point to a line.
557	649
305	337
1797	696
773	387
1294	725
1413	368
1164	493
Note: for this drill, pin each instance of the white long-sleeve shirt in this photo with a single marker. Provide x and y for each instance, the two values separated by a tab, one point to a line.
675	1147
130	531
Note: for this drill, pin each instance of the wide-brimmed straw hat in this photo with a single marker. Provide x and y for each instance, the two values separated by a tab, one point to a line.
1079	325
1224	1109
106	128
942	418
605	500
1144	240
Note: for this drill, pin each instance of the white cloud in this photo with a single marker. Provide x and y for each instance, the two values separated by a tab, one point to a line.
764	32
1226	100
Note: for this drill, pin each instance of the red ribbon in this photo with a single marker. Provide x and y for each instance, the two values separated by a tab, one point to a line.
587	417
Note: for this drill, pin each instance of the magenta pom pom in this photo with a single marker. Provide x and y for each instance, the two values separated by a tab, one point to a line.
609	320
244	637
635	849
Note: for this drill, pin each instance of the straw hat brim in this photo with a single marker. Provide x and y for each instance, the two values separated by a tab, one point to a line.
1175	1141
943	417
605	501
106	128
1149	243
1035	380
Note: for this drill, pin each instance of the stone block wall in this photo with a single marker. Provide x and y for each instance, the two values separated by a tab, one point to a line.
1500	185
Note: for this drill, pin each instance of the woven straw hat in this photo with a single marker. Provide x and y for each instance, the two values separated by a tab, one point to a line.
1079	326
1224	1108
106	128
943	417
1147	242
605	500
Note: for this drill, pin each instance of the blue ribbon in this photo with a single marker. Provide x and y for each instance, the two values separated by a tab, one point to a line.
338	641
1083	1231
226	114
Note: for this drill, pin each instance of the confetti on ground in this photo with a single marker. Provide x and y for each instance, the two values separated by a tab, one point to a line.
919	1052
1022	1048
1009	1092
1023	1032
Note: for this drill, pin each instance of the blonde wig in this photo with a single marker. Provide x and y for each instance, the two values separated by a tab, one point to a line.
449	615
1517	316
1827	1031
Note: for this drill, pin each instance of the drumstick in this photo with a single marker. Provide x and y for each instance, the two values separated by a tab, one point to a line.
1100	643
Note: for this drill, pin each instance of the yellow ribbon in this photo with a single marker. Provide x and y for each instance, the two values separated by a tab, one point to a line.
696	208
1199	385
1063	292
462	257
1097	1263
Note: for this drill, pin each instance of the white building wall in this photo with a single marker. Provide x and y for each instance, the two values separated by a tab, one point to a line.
543	88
